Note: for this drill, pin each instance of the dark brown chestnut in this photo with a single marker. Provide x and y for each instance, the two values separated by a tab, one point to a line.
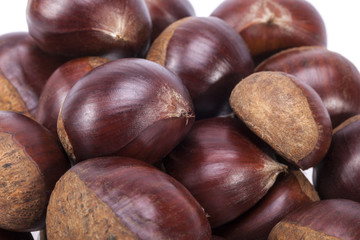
332	76
31	162
165	12
290	191
333	219
338	174
127	107
273	25
209	57
24	70
123	198
93	27
225	166
287	114
10	235
58	86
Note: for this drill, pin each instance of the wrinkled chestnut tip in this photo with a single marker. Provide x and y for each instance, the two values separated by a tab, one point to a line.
331	75
325	219
123	198
121	28
271	26
153	112
286	113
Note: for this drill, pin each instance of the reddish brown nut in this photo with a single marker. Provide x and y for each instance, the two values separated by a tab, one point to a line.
269	26
332	76
123	198
287	114
334	219
209	57
93	27
225	166
24	70
58	86
289	192
30	164
338	174
9	235
127	107
165	12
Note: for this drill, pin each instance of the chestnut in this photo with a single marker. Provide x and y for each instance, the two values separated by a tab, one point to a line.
331	75
123	198
337	175
165	12
126	107
290	191
31	162
225	166
209	57
325	219
273	25
287	114
93	27
10	235
58	85
24	70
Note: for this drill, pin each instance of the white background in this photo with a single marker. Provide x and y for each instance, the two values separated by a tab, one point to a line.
341	19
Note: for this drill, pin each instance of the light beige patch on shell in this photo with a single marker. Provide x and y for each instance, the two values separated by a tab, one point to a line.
277	110
288	231
306	186
157	52
22	188
10	99
64	139
75	212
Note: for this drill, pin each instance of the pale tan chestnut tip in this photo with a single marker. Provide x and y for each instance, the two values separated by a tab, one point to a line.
278	109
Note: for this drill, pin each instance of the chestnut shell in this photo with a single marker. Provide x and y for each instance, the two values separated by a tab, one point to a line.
126	107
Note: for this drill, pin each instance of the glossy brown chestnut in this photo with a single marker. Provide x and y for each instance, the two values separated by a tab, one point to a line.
165	12
334	219
123	198
93	27
289	192
209	57
287	114
58	86
9	235
332	76
24	70
127	107
269	26
30	164
225	166
338	174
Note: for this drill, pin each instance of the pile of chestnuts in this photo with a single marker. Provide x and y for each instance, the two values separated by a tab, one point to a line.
137	119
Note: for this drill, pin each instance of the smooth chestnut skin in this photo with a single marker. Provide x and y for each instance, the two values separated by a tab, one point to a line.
123	198
331	75
226	167
9	235
209	57
127	107
338	174
24	70
269	26
94	27
287	114
58	86
334	219
165	12
289	192
32	160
